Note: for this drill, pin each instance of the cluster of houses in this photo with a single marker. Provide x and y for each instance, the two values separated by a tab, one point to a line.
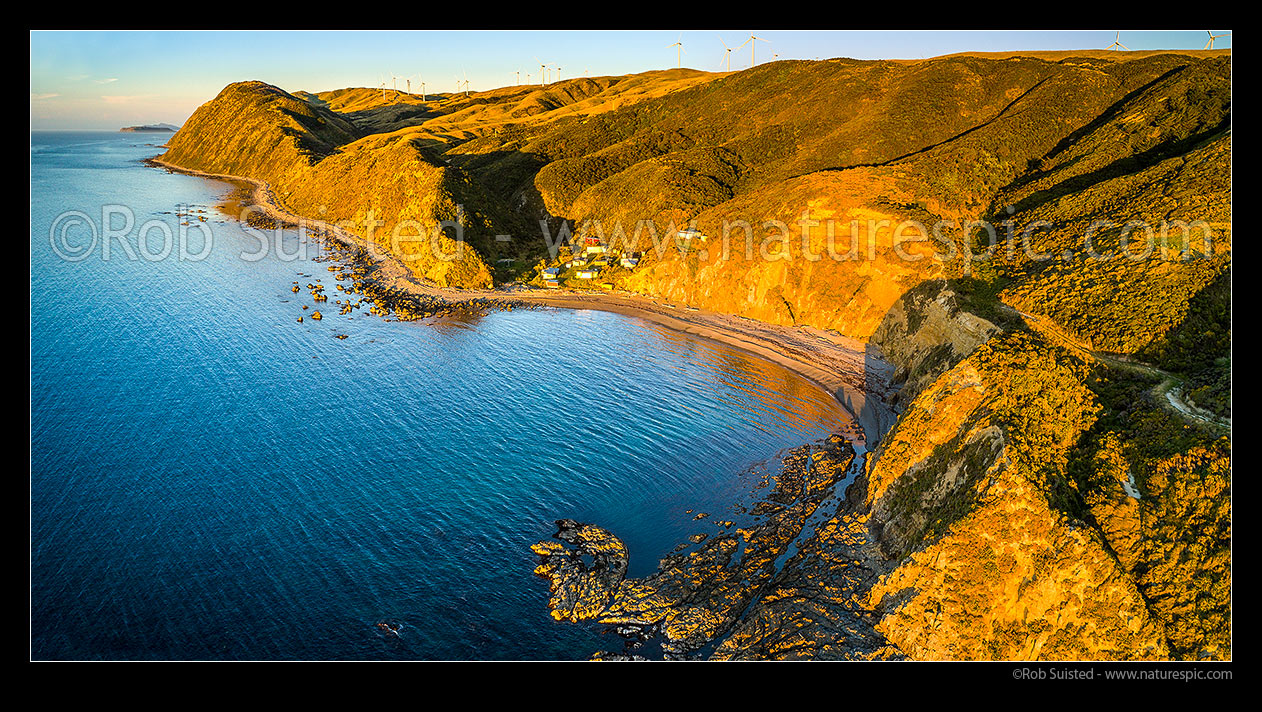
589	258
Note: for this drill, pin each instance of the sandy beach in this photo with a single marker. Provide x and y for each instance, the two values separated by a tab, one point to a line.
850	370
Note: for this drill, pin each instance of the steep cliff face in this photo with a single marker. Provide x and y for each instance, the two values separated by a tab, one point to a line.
927	332
1010	514
257	130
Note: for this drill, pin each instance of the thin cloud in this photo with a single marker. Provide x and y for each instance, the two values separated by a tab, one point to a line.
106	81
41	97
124	99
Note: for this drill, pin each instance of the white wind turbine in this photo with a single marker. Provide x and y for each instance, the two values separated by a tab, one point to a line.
727	53
679	53
558	78
543	71
518	73
1117	42
1213	37
752	42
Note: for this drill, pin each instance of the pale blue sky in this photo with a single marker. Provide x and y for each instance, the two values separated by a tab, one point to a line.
105	80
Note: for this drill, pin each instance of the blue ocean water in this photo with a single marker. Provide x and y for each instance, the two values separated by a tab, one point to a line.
211	479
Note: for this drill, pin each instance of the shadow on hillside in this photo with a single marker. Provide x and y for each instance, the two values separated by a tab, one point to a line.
390	117
1123	166
1105	117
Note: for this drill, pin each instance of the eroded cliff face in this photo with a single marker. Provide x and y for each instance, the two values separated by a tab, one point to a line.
927	332
800	198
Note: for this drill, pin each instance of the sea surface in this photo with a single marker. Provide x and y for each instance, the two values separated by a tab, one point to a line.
211	479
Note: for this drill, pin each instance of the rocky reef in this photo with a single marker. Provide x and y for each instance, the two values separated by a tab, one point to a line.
695	596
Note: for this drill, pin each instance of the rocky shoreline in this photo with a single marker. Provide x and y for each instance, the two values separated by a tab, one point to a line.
853	372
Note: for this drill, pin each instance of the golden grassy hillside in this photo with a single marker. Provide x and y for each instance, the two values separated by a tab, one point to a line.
956	138
1039	496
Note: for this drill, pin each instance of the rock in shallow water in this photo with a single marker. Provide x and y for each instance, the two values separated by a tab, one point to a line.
581	591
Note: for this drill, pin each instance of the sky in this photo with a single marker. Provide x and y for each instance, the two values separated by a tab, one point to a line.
110	79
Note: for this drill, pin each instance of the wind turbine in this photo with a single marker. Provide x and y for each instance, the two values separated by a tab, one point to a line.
679	53
543	71
752	43
1213	37
1117	42
422	81
727	53
518	73
558	74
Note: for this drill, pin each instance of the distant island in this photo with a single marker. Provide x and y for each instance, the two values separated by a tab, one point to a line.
149	127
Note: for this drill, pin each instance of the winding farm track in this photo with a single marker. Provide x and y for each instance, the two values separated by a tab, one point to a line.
1169	392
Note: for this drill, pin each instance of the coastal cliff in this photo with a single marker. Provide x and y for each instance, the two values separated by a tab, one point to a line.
1042	495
